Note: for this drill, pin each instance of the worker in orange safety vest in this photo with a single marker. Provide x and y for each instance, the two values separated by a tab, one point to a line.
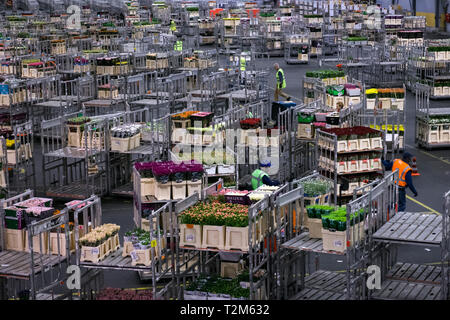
404	177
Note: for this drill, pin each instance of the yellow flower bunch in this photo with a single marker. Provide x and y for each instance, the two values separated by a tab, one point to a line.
99	235
10	143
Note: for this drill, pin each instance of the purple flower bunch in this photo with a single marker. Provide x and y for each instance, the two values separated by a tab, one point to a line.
168	170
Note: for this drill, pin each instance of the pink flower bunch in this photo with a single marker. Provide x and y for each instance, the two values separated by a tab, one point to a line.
216	214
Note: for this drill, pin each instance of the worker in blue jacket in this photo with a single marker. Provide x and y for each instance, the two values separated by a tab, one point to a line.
404	177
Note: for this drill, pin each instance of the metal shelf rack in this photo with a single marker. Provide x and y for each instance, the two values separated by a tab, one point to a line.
412	281
358	254
430	132
33	269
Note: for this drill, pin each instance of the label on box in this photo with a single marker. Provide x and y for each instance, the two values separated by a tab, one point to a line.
153	244
95	251
190	237
338	243
134	256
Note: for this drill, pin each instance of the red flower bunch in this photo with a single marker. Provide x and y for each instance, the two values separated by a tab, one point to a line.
353	131
250	123
124	294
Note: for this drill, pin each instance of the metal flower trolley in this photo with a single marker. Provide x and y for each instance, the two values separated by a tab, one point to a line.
211	246
156	258
412	281
432	128
30	261
362	217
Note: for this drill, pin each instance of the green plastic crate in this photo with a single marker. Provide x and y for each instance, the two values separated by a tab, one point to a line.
11	211
14	223
305	118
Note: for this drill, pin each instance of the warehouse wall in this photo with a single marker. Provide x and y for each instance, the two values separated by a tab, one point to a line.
427	9
424	8
406	4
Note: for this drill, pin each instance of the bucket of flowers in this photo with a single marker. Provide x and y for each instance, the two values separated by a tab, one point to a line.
99	242
144	246
11	147
179	184
148	181
316	191
37	214
208	287
194	177
250	123
61	237
162	172
76	127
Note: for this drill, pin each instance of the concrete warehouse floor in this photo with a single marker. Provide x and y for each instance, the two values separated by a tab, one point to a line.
434	167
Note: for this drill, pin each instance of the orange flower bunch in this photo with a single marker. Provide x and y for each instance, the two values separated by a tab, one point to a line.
183	115
71	225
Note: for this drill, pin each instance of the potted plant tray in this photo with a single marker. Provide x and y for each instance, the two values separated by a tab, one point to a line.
385	103
342	146
315	228
398	104
352	100
143	256
342	167
74	135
